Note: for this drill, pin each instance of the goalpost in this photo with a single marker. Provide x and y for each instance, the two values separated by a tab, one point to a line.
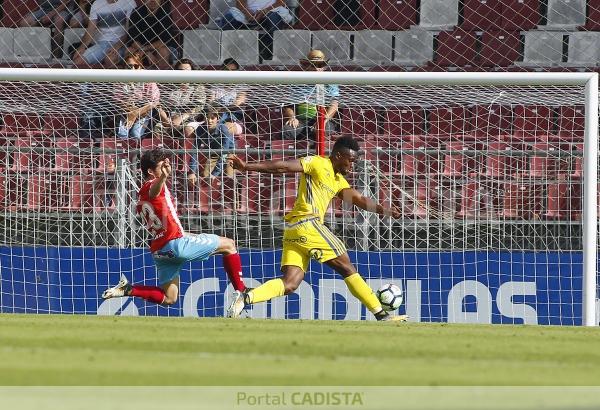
496	174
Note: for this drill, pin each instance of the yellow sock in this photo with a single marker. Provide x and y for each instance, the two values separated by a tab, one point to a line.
359	288
267	291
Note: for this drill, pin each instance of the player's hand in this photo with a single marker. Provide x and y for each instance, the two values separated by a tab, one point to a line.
393	211
237	163
166	168
293	122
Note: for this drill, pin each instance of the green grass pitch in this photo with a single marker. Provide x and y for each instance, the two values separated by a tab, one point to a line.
91	350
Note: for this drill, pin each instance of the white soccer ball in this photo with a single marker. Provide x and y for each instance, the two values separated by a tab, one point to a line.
390	296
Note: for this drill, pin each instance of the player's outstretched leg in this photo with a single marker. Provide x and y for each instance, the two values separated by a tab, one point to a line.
124	288
233	266
288	283
359	288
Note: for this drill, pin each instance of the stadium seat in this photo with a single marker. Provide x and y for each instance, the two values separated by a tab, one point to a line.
189	14
543	48
456	48
542	164
335	44
111	149
584	49
413	160
359	121
397	14
256	195
496	163
49	191
482	14
223	195
499	48
5	153
417	198
72	36
455	162
413	47
289	184
373	47
521	200
490	121
446	122
571	123
315	15
14	187
577	162
22	125
593	16
6	43
294	149
14	10
565	14
29	154
532	123
520	14
321	15
439	14
70	154
61	126
289	46
81	194
202	46
557	200
269	122
242	45
404	121
32	43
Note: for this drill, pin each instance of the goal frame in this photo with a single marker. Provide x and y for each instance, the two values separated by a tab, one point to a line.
589	80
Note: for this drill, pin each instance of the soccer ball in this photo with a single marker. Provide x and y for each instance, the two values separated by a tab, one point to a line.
390	297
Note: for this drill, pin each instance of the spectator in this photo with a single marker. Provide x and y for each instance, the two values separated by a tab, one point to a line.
299	120
81	12
106	29
229	99
215	136
139	101
151	32
267	15
54	14
181	103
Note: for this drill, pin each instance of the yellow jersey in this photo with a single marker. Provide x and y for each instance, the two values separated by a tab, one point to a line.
319	184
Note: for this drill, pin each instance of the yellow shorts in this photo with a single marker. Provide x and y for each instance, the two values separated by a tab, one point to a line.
309	239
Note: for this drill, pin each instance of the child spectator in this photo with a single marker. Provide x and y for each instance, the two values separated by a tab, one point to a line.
215	136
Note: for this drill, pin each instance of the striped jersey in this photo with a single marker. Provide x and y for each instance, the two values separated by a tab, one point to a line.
319	184
159	215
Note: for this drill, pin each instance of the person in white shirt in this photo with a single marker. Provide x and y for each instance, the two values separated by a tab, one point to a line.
267	15
107	28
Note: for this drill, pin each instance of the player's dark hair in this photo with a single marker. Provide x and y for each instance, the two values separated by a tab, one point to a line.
150	159
345	142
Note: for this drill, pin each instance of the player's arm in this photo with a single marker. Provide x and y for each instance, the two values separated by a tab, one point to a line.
352	196
268	167
159	182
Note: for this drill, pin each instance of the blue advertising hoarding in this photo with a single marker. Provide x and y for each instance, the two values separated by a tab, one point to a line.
465	286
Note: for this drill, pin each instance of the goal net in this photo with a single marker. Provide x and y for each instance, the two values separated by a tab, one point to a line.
487	169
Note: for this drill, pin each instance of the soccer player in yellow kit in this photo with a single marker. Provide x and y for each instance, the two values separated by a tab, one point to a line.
306	236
